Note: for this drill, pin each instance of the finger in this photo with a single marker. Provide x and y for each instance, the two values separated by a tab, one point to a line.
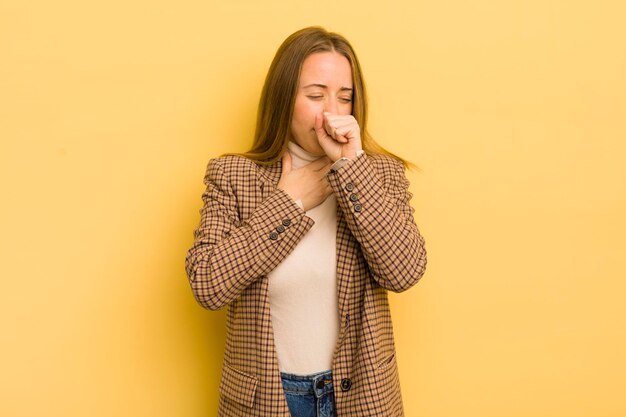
337	126
324	168
328	126
319	127
286	162
319	163
333	134
338	116
338	119
329	189
344	131
341	124
325	171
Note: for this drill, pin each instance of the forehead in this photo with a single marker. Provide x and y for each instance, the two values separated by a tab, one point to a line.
328	68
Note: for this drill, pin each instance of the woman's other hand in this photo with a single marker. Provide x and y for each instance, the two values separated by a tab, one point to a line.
338	135
307	184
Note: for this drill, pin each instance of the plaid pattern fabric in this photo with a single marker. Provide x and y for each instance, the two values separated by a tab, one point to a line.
248	226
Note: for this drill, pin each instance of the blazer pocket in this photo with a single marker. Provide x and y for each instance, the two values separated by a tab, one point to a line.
386	362
238	386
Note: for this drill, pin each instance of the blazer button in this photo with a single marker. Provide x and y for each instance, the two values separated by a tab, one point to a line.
280	228
357	207
273	235
286	222
354	197
346	383
349	186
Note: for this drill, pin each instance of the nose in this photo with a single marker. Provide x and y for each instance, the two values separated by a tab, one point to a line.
331	105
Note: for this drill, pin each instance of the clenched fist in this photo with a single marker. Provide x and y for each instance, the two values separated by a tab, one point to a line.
338	135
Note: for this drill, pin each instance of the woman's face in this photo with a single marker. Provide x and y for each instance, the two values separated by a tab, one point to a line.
325	86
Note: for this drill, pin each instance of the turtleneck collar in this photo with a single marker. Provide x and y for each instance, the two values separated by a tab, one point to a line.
300	156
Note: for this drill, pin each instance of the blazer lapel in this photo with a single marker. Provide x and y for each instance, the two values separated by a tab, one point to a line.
269	175
346	260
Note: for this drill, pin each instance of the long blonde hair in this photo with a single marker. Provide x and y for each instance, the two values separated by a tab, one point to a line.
279	94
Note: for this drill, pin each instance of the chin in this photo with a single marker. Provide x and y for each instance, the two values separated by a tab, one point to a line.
312	148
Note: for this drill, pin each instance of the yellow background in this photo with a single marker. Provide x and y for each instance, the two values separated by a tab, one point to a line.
515	110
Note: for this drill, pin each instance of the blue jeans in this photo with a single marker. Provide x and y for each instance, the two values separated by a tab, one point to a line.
310	395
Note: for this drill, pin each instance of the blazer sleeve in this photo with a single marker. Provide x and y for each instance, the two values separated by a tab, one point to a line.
228	254
376	205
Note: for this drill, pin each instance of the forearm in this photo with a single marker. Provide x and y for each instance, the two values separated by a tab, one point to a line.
228	255
380	217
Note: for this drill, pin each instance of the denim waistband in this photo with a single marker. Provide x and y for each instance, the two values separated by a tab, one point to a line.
318	384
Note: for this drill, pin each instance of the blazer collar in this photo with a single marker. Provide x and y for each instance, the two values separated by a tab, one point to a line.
271	173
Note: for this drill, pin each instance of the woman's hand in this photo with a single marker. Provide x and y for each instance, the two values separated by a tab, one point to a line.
339	136
308	184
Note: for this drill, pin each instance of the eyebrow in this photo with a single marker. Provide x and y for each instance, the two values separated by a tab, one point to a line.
325	86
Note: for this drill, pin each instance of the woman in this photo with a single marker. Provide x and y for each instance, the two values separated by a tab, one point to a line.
302	237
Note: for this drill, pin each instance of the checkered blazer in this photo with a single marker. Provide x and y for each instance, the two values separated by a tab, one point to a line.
248	226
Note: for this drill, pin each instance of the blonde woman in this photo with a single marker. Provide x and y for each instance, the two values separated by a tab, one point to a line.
301	238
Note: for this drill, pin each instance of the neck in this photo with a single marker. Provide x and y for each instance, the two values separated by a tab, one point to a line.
300	156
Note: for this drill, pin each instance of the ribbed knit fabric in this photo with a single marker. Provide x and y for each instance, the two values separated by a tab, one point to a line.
303	291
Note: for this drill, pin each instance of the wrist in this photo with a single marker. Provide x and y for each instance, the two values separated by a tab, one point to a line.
351	156
344	160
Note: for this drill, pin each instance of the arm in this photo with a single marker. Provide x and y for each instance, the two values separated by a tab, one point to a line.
380	217
228	254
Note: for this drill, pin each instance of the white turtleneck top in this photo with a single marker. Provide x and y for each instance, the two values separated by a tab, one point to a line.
303	290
